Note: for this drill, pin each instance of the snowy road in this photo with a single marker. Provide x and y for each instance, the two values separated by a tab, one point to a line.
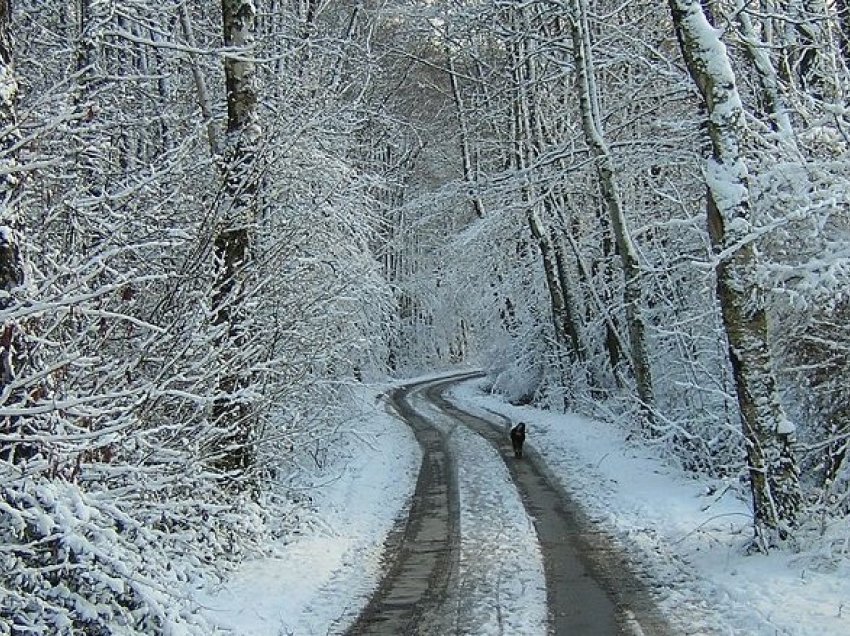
413	590
491	546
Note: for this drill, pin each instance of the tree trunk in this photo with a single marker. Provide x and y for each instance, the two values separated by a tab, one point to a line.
768	435
203	95
610	191
14	352
232	243
771	100
571	310
469	173
526	144
11	266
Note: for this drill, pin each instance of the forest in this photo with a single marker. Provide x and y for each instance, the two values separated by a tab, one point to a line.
218	218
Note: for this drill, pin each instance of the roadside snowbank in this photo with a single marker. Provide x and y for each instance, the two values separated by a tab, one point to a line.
686	535
317	582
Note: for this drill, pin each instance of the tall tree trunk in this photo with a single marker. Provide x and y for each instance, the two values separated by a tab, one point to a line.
806	64
563	308
90	144
232	243
773	468
306	12
507	309
771	98
11	266
8	124
203	94
585	79
614	343
527	143
571	310
469	172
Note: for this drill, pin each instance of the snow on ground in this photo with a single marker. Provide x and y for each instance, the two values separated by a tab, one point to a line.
500	587
317	582
685	534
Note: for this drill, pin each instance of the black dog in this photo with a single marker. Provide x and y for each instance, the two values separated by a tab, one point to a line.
518	438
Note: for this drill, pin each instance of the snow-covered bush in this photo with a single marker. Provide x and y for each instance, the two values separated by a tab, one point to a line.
73	562
801	206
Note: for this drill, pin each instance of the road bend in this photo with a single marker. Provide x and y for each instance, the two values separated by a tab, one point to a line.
590	589
424	549
590	586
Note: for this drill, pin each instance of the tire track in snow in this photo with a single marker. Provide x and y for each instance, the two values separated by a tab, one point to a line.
590	587
499	585
479	574
439	582
423	550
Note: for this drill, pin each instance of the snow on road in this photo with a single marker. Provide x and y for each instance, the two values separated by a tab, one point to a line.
685	535
500	587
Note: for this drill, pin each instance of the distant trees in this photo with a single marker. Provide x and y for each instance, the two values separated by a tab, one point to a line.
578	214
519	152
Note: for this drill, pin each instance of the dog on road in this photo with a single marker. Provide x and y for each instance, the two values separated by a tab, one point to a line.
518	438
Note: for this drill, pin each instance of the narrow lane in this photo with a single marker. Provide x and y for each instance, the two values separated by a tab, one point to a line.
409	598
589	590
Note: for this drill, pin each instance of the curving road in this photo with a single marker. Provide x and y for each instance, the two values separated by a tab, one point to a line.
589	589
426	548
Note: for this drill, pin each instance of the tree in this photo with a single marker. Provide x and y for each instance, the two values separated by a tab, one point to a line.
232	244
188	300
13	350
606	171
767	433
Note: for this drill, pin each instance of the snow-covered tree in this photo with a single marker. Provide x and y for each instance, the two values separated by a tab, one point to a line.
774	473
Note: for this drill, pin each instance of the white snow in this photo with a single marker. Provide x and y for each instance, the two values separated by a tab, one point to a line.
685	534
501	587
317	582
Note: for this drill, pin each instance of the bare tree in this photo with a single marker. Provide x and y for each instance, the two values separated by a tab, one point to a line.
606	171
768	435
232	246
